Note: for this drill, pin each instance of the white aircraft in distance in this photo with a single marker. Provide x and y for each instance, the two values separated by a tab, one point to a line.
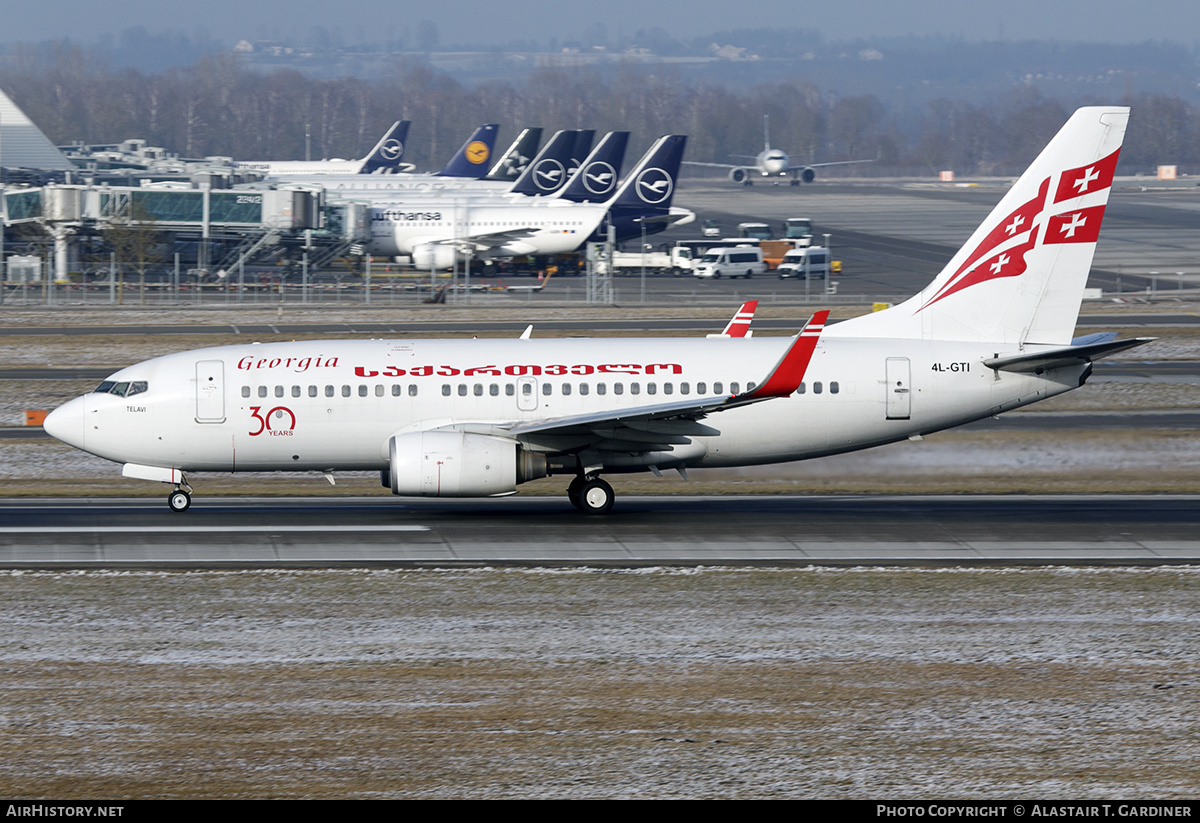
468	417
772	163
386	157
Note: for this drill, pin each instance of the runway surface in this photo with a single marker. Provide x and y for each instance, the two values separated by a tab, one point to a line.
641	531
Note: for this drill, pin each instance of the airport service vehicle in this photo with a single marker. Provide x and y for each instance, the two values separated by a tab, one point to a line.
385	157
799	230
711	229
811	262
739	261
673	260
467	417
772	164
754	231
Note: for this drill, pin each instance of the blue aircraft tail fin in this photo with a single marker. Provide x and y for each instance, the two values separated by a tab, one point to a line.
600	172
389	151
548	171
472	159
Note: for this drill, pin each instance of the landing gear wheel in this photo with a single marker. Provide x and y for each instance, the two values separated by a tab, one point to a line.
179	500
595	497
573	492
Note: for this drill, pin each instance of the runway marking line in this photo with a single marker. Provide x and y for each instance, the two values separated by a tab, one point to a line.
199	529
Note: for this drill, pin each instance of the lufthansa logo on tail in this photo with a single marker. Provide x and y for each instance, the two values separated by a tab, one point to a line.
549	174
599	177
654	186
477	152
392	149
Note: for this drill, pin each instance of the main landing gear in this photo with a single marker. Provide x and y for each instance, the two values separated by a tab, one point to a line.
180	500
590	495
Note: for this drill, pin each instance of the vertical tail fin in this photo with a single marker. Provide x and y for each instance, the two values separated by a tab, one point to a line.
600	172
471	160
548	171
389	151
1020	277
512	163
739	324
583	147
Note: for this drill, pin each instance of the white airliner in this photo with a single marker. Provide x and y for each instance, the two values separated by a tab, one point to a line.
385	157
470	417
433	229
773	164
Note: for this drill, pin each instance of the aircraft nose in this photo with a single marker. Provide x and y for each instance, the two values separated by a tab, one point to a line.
66	423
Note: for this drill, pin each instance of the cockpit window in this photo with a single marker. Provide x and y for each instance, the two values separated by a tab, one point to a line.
122	389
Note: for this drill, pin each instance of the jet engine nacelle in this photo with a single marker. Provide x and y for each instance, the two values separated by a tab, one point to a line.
738	175
433	256
808	175
457	464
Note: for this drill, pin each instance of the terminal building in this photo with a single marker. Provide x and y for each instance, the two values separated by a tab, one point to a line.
213	218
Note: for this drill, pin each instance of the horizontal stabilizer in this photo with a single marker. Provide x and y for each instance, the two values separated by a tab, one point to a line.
1066	356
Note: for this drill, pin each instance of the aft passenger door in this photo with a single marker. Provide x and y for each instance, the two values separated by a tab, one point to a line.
210	391
898	388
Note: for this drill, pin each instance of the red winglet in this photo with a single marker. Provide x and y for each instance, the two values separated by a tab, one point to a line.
788	373
740	324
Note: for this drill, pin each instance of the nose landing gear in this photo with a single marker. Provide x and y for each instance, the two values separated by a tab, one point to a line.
180	500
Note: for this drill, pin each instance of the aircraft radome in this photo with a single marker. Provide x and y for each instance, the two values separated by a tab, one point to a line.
469	417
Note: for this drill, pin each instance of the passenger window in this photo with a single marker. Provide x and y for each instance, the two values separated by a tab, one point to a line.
651	388
635	388
379	390
345	390
397	389
618	388
329	391
684	388
510	389
362	390
801	389
462	389
717	388
700	388
295	391
583	388
817	387
668	388
312	391
494	389
479	390
750	386
733	388
412	390
445	390
262	391
546	388
245	391
566	389
833	387
601	388
279	391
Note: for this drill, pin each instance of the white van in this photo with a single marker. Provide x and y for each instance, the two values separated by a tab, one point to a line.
737	261
812	262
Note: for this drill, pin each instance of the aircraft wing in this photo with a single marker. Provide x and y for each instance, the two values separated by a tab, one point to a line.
490	239
661	426
714	165
802	166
